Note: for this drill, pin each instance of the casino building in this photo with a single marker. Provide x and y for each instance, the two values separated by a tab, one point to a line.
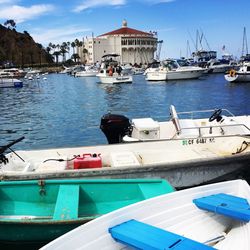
133	46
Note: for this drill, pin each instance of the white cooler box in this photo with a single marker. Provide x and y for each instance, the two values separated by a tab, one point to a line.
145	129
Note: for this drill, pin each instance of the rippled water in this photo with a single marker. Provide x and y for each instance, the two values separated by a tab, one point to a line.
64	111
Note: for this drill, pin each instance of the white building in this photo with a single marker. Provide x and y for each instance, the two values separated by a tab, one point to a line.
132	45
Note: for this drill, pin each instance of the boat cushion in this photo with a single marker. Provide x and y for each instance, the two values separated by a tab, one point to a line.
67	203
145	124
144	236
225	204
188	128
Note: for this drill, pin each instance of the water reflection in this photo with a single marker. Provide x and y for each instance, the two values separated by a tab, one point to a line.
65	111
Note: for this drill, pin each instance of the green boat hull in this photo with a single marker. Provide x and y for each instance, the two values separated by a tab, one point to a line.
35	211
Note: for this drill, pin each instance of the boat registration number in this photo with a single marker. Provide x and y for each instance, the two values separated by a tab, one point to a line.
198	141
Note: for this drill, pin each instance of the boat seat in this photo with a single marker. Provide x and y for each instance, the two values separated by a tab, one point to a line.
228	205
123	159
140	235
67	203
188	128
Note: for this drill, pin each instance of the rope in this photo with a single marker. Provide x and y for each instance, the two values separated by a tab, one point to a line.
60	160
243	147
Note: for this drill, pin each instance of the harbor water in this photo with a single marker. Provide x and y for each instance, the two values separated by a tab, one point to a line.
64	111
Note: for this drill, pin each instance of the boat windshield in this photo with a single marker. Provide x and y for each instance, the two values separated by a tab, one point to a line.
170	64
183	63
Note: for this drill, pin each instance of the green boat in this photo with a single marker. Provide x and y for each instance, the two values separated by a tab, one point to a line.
40	211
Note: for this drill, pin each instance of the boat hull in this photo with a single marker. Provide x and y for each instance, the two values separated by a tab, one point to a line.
39	211
181	175
238	77
10	83
173	75
175	213
86	74
182	75
115	79
201	163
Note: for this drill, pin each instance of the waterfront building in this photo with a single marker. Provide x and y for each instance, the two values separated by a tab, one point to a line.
133	46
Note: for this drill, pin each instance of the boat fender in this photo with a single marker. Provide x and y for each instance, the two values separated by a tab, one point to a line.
232	73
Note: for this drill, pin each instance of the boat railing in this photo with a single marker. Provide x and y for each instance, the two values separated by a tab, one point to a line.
192	114
221	127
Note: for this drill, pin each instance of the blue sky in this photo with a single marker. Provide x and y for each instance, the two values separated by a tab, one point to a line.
176	21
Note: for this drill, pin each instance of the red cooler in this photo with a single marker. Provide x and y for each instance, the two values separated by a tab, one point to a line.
88	161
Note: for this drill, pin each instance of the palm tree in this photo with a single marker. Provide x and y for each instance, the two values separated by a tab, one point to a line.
64	49
75	57
73	45
57	54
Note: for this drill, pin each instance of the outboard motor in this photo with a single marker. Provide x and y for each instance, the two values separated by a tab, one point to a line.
115	127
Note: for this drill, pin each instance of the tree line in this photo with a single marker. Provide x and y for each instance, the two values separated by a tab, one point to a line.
63	49
57	50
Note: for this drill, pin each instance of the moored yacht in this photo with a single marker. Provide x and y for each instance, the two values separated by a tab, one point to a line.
111	72
87	71
216	66
171	69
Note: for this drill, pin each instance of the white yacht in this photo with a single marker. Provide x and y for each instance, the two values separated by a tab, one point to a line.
241	75
87	71
111	72
171	69
12	72
215	66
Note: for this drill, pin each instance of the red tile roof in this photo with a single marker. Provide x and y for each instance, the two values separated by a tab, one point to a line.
126	31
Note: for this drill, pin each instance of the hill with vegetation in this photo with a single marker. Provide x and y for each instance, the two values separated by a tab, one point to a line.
19	49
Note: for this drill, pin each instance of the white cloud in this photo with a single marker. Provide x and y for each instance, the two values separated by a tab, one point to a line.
57	36
98	3
21	14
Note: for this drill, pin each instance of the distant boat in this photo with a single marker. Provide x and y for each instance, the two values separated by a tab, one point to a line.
12	73
112	73
206	217
10	83
32	211
87	71
241	75
171	69
216	66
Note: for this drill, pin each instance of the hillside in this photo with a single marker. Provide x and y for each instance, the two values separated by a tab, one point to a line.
21	49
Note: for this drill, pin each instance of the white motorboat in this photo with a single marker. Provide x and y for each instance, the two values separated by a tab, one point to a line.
87	71
215	66
112	73
178	220
241	75
10	83
12	73
192	124
183	161
172	70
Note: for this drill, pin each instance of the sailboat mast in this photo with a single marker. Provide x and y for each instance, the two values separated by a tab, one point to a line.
244	45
